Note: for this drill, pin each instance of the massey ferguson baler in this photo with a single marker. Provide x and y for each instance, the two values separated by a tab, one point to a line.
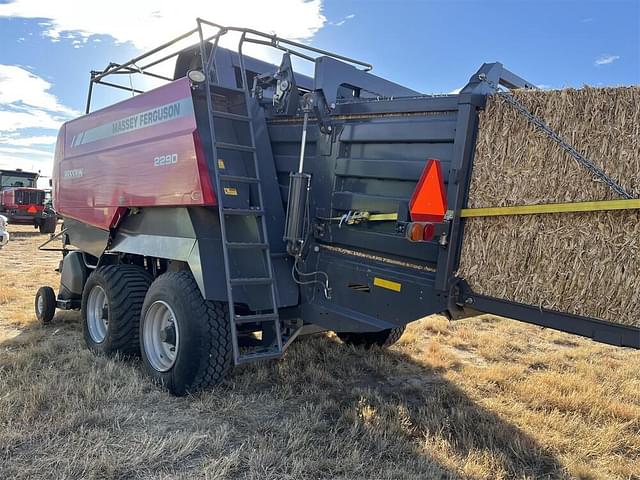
211	220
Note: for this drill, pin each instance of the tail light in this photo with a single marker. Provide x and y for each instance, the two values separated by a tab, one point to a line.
420	231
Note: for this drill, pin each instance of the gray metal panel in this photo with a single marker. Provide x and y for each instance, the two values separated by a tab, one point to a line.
160	246
388	169
270	189
286	163
358	310
89	239
74	275
282	132
384	244
409	130
376	173
373	203
399	105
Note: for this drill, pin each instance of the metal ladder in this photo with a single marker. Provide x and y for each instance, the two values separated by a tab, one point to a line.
255	212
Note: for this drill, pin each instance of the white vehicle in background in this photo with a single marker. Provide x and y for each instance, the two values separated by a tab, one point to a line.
4	235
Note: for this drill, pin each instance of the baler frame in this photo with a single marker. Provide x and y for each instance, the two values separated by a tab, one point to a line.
471	97
341	127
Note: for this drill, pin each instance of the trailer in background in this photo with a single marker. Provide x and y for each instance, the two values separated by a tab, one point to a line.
22	202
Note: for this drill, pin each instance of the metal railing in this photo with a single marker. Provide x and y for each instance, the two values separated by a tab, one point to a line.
247	35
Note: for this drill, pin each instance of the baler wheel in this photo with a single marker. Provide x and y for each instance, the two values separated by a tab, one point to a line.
111	304
185	339
45	304
384	338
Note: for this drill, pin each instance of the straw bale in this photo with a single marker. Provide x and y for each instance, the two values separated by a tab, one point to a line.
582	263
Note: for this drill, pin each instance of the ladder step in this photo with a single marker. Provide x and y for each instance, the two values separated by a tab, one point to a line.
251	281
251	357
230	116
257	318
236	178
248	245
243	211
235	146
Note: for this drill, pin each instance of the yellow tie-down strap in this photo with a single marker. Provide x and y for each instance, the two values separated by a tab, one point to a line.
630	204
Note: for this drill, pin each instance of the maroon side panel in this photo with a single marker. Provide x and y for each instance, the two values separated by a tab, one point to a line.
141	152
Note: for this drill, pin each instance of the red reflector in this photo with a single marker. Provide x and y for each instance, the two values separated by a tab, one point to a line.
429	200
428	232
32	209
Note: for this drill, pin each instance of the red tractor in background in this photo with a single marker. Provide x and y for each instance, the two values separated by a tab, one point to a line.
22	202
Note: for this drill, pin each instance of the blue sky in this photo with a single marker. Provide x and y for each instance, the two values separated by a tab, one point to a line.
48	47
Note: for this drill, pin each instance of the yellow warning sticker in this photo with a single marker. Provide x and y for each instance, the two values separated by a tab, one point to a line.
230	191
388	284
221	164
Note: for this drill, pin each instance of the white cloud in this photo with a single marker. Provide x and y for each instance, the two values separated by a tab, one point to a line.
606	59
21	87
147	23
14	139
343	21
26	104
24	151
12	120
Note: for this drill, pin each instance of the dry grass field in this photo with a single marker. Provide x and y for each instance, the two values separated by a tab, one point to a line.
483	398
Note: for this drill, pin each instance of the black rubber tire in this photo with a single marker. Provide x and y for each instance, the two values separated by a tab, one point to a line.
48	310
48	224
384	338
125	287
204	355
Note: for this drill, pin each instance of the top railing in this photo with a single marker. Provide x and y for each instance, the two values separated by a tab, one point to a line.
247	35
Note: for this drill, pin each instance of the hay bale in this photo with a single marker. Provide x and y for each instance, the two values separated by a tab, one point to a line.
582	263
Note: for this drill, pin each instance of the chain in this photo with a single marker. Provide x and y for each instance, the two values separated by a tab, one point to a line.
591	167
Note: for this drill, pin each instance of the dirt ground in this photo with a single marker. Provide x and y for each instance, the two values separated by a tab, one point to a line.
483	398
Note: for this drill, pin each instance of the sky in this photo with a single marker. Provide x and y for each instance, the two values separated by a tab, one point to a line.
47	48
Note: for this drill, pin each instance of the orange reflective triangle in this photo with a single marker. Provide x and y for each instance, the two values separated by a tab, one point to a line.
429	200
32	209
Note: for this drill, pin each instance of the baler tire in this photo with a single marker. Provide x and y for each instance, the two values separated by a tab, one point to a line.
203	352
48	225
45	304
383	339
124	287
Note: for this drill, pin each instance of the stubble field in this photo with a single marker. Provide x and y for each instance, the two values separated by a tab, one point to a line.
483	398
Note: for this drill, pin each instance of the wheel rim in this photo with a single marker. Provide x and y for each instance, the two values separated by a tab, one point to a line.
40	304
160	336
97	314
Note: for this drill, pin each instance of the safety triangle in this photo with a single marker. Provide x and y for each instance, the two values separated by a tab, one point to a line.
429	200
